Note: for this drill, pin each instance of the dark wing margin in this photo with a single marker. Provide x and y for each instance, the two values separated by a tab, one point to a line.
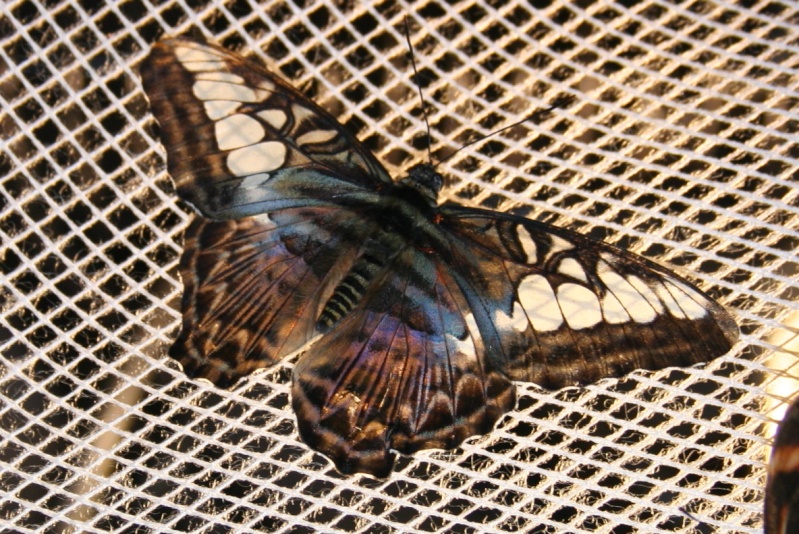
781	507
240	141
406	370
566	310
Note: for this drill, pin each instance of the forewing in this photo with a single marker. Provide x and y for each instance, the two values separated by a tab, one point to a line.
254	287
243	145
240	141
782	486
561	309
406	370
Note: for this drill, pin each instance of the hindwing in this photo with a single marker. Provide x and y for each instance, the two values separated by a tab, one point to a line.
254	287
406	369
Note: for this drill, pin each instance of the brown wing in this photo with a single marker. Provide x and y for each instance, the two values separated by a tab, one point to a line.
254	287
240	141
406	370
564	309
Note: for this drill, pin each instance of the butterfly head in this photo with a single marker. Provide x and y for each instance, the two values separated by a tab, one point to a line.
426	180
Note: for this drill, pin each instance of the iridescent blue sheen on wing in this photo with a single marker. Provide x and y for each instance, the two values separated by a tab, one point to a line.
407	369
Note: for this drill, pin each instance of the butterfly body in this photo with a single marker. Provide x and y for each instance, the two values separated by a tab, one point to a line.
421	314
402	218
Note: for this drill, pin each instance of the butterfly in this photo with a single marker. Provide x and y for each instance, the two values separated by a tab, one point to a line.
782	486
416	317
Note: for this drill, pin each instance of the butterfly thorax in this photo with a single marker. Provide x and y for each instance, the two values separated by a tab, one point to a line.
404	220
424	179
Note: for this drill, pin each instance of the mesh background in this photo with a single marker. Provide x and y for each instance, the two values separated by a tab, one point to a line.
676	137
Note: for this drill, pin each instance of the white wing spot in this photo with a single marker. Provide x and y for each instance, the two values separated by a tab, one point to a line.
687	299
275	118
559	245
301	114
267	86
613	311
517	320
634	304
463	346
540	303
315	137
458	346
647	292
204	66
259	158
219	109
579	305
471	324
210	90
254	180
199	54
572	267
528	244
238	131
671	304
217	76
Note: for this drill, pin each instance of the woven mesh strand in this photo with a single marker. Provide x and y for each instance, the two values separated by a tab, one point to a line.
674	136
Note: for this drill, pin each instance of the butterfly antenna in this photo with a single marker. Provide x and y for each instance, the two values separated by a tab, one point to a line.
419	88
480	139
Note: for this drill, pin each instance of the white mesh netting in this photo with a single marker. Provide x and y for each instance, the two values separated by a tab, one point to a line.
675	137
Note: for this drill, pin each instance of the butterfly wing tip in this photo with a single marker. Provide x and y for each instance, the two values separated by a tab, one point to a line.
195	367
376	468
721	333
375	461
730	329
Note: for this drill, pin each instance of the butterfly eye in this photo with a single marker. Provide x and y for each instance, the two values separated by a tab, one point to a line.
389	225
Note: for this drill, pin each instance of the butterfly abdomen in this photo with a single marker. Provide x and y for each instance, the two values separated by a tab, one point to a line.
401	220
349	291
